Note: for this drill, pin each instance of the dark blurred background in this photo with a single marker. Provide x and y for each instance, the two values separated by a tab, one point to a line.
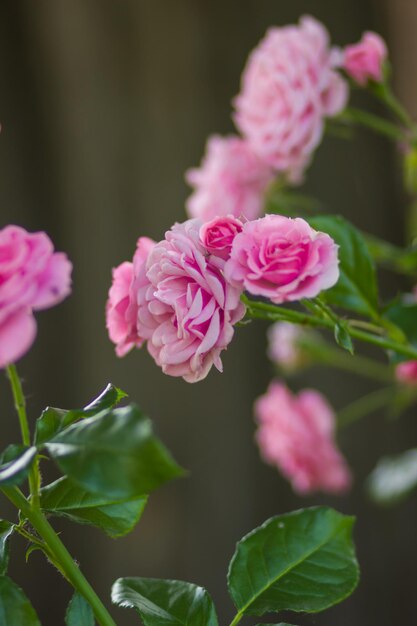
103	106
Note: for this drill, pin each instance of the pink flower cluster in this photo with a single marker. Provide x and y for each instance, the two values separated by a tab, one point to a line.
289	86
182	295
406	372
296	434
284	347
32	277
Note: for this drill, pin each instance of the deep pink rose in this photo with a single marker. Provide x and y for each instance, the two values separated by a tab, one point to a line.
231	180
365	60
407	372
121	307
282	259
217	235
32	277
296	434
288	87
186	308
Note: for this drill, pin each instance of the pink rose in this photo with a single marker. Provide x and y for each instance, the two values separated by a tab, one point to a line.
364	61
121	307
217	235
283	345
407	372
282	259
289	86
296	434
231	180
186	307
32	277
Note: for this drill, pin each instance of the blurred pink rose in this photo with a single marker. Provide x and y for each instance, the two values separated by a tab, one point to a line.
186	308
296	434
121	307
217	235
283	348
32	277
289	86
231	180
407	372
282	259
365	60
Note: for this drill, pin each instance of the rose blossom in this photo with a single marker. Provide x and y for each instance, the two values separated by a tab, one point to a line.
296	434
406	372
365	60
217	235
289	86
186	307
283	347
230	180
32	277
121	307
282	259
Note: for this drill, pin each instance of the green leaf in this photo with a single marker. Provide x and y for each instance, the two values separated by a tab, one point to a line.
393	478
16	463
356	289
301	561
165	602
52	421
114	454
403	260
15	608
79	612
116	518
403	313
342	337
6	530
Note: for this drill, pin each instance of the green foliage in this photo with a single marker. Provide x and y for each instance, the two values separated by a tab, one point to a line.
15	608
6	530
114	454
356	289
116	518
79	612
165	602
284	202
16	462
403	313
394	478
53	421
301	561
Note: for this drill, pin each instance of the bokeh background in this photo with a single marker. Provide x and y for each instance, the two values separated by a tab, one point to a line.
104	105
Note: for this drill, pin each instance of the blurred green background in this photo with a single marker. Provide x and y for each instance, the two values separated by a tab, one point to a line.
103	106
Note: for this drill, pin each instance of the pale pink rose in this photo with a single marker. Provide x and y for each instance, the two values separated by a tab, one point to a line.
32	277
364	61
122	307
283	347
217	235
187	309
296	434
230	180
288	87
407	372
282	259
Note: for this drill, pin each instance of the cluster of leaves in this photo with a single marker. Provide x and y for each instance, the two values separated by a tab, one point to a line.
111	461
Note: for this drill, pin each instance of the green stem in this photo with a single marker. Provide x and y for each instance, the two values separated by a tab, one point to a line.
365	405
61	554
263	310
236	619
352	116
361	365
20	405
19	402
